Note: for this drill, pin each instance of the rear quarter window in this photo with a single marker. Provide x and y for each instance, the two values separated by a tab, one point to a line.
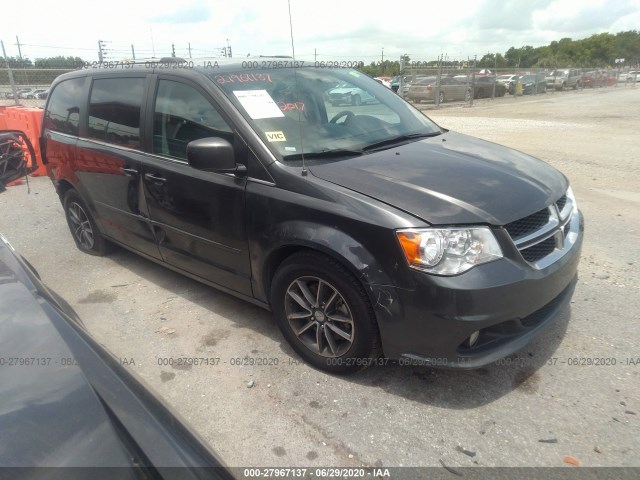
114	110
63	110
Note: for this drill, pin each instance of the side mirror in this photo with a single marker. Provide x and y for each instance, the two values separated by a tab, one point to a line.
213	154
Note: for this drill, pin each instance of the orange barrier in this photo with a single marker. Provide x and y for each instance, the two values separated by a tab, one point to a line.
3	125
28	120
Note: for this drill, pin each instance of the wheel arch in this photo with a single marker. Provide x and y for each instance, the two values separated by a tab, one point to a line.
293	237
62	187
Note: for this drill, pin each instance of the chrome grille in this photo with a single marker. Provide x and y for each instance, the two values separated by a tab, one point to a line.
542	236
539	250
526	225
562	202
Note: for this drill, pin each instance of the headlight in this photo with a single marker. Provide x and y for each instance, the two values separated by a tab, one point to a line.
448	251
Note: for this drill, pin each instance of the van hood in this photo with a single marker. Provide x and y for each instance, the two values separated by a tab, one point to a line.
451	179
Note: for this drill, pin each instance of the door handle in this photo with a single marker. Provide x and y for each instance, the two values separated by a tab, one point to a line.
129	171
157	179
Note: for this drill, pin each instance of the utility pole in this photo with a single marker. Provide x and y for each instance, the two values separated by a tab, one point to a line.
495	75
19	51
101	50
189	49
173	50
11	81
133	52
382	55
315	55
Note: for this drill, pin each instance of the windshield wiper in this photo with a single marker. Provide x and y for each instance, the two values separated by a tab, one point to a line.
398	139
338	152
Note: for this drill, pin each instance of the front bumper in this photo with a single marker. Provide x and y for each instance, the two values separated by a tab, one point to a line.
507	301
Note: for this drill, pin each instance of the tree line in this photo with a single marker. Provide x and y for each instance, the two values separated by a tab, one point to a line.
599	50
49	62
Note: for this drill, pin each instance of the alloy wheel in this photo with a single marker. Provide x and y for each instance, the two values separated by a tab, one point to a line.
81	226
319	316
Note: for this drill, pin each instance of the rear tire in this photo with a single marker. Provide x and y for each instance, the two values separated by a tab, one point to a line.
83	227
324	313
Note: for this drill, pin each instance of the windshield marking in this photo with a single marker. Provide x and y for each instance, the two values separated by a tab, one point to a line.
258	104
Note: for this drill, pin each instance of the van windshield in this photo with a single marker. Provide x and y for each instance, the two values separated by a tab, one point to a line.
318	110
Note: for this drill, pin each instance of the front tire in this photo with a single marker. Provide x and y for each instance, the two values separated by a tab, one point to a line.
324	313
82	226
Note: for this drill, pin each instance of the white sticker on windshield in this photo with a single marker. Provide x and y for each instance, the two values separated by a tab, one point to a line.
258	104
275	136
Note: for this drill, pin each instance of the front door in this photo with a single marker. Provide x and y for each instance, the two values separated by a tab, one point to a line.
199	217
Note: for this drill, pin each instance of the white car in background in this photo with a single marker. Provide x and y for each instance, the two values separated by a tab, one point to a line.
506	79
345	93
386	81
631	76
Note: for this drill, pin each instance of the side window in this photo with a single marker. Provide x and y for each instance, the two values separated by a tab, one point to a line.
183	114
63	110
114	110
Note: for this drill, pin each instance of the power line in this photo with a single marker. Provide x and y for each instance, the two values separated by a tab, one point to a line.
60	48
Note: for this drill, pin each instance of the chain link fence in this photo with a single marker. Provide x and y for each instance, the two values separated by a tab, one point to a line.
26	86
462	81
437	83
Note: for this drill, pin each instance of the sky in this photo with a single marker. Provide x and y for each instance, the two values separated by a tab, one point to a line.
346	30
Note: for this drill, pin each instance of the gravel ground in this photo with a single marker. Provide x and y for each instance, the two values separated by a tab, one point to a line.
533	409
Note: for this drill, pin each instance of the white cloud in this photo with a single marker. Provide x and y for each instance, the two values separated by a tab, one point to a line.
356	29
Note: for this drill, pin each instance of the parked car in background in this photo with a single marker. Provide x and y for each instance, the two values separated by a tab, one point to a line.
610	77
395	83
35	93
19	92
531	83
408	81
386	81
347	94
483	87
506	80
630	76
424	90
27	93
564	78
593	79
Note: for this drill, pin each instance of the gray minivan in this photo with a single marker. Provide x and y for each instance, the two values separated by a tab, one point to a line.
371	232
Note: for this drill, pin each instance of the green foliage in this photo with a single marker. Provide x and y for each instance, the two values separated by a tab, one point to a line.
49	62
492	61
16	62
598	50
387	68
59	62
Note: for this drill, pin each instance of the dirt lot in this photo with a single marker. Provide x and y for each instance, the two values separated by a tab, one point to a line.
530	410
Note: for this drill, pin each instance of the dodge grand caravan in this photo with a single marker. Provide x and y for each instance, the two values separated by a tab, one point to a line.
367	229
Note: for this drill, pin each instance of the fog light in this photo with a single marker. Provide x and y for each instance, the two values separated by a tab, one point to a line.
473	338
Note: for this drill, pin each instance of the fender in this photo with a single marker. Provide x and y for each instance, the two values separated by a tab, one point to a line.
283	239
